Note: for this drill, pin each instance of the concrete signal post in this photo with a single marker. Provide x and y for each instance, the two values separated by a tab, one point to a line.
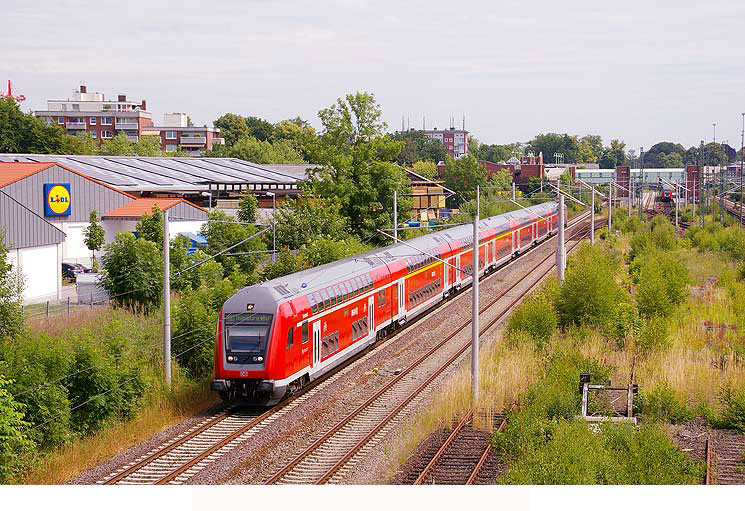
475	305
561	254
166	299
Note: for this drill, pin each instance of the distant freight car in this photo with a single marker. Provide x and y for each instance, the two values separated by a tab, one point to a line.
273	338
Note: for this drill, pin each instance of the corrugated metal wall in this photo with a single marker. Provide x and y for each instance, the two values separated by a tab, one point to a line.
85	195
183	211
23	228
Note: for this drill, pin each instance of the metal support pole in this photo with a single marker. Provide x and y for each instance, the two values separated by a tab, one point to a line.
677	201
395	217
513	190
560	249
610	205
475	307
68	305
742	160
166	299
592	218
274	226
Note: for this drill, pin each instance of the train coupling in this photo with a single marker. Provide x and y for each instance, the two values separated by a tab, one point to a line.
219	386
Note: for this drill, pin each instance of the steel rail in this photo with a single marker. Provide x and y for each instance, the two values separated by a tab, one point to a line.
484	456
339	425
466	418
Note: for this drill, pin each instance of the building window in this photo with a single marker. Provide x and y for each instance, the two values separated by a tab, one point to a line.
94	133
171	148
107	121
60	120
170	135
93	121
106	134
76	107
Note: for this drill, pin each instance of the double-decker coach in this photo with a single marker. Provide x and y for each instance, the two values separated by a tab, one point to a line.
275	337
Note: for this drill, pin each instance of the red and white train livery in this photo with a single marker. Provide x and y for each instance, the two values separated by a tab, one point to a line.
275	337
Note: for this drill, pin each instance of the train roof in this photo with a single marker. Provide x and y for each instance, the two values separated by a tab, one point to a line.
320	277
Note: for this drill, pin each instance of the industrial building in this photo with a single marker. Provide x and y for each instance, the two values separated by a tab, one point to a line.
45	208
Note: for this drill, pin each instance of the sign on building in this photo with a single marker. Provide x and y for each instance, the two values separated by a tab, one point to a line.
56	199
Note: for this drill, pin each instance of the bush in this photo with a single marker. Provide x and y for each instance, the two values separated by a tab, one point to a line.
663	404
15	447
11	290
589	294
651	293
733	409
195	323
133	273
536	317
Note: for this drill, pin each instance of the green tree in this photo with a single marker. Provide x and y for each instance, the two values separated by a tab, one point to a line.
118	146
15	447
418	146
497	153
221	233
301	220
590	149
24	133
298	133
259	128
81	143
613	155
550	143
232	127
133	273
257	151
355	155
93	237
463	175
194	328
11	295
150	227
247	208
502	180
148	145
426	169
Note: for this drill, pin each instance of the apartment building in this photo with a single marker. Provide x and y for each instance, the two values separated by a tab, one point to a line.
455	141
178	133
102	118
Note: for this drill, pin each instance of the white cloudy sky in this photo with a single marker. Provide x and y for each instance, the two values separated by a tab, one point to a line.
642	71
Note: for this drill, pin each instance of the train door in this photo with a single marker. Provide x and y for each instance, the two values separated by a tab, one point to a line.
515	240
401	308
371	313
458	273
316	342
445	275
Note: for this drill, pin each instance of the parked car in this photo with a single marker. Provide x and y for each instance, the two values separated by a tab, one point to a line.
83	267
70	271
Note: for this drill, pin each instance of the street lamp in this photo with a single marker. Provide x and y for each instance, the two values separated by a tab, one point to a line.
274	224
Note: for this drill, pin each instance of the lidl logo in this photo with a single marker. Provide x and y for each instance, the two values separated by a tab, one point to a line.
57	199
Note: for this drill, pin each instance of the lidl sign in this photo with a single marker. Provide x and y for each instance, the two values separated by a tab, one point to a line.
57	199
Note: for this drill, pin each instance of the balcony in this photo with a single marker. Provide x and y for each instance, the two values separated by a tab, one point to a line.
75	126
128	125
218	141
193	141
133	138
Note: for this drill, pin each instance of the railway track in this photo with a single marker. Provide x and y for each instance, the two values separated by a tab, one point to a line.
332	456
725	458
181	457
464	457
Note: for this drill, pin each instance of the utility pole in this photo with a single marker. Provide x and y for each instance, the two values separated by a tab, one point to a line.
641	181
513	189
395	217
701	185
166	299
592	218
610	205
560	249
742	158
475	307
677	202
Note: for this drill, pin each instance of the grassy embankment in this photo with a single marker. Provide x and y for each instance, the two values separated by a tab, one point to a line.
645	306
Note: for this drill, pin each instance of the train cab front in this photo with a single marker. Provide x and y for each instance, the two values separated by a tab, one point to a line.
242	352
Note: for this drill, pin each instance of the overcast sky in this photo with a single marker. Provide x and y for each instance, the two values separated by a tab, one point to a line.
641	71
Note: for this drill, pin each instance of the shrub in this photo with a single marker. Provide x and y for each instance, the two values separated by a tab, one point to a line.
589	294
536	317
11	289
15	447
663	404
733	409
624	325
651	293
194	330
663	235
133	273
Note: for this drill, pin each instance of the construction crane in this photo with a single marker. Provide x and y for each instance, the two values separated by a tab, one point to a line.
11	96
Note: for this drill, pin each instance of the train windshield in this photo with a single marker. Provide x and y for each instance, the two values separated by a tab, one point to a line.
247	332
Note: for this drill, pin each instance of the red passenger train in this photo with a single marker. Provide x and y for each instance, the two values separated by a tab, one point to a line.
275	337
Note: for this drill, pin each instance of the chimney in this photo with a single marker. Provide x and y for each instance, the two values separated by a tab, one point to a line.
83	89
122	98
143	105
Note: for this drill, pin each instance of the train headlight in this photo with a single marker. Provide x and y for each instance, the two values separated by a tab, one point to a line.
260	359
231	358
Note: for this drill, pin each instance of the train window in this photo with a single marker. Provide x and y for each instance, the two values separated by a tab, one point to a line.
332	295
305	332
290	338
336	341
358	285
345	290
370	282
381	298
324	347
326	299
354	329
338	292
313	304
319	300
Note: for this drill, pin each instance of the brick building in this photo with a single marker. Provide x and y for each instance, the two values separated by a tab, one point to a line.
176	132
102	118
455	141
